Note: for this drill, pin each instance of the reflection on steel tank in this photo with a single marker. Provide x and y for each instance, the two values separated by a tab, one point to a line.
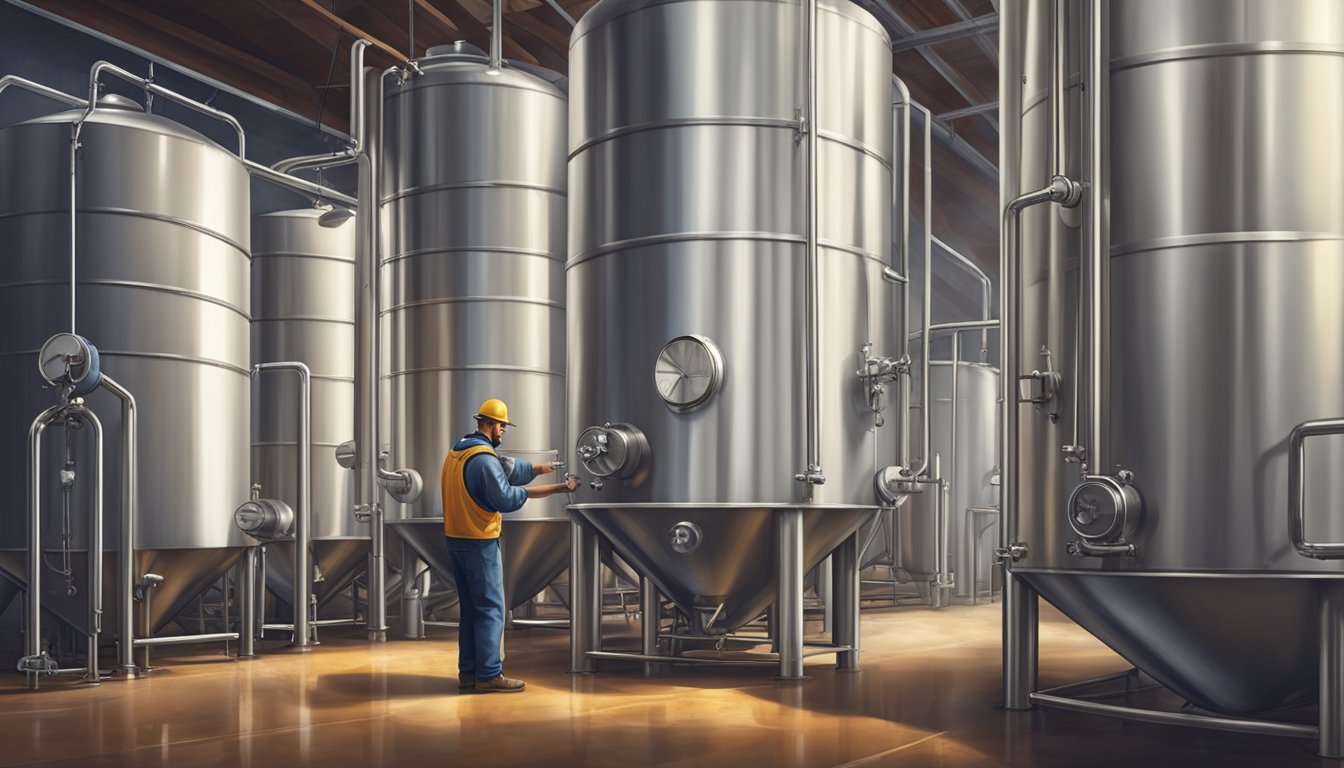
163	290
1146	459
474	203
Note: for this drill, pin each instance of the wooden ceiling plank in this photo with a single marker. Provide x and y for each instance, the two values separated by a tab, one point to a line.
354	30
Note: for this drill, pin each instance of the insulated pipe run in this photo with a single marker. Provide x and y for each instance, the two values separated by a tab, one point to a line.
903	392
130	500
812	474
920	469
302	590
1059	133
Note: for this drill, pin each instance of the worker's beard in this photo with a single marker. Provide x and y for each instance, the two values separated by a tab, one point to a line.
495	441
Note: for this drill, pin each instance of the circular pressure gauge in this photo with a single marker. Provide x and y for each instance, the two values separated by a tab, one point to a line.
69	360
688	373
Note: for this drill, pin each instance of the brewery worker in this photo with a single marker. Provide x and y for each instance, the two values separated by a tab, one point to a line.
478	485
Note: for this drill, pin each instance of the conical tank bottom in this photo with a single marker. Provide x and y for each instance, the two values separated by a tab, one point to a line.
1238	645
535	552
186	574
338	560
734	566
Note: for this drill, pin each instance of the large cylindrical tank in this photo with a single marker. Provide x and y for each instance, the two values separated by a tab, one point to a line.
687	275
303	294
1226	212
164	292
474	205
969	466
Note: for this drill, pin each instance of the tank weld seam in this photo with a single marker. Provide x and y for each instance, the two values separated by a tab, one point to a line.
152	287
350	260
780	123
405	255
460	185
683	237
473	367
290	444
419	84
1222	238
302	319
472	300
580	30
163	217
724	505
106	352
1224	50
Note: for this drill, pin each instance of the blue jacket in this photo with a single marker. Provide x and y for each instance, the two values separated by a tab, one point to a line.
490	484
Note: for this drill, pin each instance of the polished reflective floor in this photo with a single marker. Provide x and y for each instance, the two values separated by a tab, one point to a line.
926	697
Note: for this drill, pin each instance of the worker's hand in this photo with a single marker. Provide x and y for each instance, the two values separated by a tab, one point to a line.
543	468
571	483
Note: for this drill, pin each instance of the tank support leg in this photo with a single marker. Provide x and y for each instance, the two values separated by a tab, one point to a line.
1332	671
585	597
650	610
247	601
1020	619
789	535
845	593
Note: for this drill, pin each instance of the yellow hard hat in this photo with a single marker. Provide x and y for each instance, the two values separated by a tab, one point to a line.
495	410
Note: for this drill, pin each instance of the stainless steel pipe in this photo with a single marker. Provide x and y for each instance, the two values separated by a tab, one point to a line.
585	597
812	475
302	588
247	618
1097	234
130	500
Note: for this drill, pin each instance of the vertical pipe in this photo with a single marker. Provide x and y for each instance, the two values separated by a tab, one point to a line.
130	498
812	475
903	390
926	415
95	543
789	561
1331	743
32	643
301	593
845	561
74	211
247	619
1097	228
367	492
496	36
1059	150
585	597
952	459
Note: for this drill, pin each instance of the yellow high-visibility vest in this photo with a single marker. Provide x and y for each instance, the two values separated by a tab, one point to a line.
463	518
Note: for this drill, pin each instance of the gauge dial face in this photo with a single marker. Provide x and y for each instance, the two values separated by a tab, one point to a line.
64	359
689	371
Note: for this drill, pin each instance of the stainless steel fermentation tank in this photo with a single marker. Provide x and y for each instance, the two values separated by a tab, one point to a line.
474	200
1208	235
303	275
163	290
691	390
965	433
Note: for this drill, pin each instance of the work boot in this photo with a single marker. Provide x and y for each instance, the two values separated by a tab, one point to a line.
466	682
500	684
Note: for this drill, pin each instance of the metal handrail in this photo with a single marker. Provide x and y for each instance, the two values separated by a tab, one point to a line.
1297	480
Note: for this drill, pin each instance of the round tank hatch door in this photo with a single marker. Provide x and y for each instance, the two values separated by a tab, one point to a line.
1100	508
616	451
688	373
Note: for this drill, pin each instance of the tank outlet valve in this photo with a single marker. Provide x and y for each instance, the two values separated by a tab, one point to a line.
265	519
1104	511
615	452
812	475
685	537
1014	552
363	513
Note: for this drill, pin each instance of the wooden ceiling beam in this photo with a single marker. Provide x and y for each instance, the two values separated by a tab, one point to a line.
354	30
438	16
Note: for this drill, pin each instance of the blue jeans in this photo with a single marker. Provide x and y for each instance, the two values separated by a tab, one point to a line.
478	570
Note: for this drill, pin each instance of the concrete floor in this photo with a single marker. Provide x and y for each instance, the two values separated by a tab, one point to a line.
925	697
